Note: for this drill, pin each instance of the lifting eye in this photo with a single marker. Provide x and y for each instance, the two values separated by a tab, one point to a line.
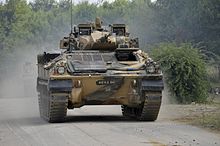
65	44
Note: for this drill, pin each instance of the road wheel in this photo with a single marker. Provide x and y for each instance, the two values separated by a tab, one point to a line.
126	111
129	112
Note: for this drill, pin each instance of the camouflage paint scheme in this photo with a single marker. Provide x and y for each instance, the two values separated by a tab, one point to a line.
99	67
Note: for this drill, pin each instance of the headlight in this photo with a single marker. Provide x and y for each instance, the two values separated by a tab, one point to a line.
61	70
78	84
134	83
151	69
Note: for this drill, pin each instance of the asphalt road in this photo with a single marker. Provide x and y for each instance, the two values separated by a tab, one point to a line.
20	125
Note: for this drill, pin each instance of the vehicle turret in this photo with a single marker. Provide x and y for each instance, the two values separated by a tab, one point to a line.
94	36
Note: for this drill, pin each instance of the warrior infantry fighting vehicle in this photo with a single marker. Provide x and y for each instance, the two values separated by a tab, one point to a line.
99	66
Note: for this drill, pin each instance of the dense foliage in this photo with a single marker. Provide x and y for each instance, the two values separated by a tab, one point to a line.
185	71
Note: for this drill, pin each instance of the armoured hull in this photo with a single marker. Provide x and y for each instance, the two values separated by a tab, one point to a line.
132	90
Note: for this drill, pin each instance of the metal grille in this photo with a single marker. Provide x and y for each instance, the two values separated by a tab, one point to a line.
107	57
87	58
77	57
97	57
93	56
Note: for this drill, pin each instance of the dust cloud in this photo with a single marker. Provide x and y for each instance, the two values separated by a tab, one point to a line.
168	110
18	75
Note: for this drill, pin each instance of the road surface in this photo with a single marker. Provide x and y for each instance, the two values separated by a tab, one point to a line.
20	125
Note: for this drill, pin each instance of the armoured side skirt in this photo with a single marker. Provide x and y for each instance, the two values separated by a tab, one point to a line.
54	85
152	85
60	85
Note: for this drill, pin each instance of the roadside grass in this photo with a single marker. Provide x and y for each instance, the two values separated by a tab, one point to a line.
209	119
212	119
202	115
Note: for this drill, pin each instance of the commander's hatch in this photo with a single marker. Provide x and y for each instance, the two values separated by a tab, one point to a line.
119	29
85	29
127	55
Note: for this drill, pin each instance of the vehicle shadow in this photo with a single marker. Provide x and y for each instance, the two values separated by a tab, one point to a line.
36	121
98	118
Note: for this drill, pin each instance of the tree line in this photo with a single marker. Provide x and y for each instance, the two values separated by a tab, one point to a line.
41	21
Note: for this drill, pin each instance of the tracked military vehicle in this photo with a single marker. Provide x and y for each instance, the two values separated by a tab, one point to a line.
99	66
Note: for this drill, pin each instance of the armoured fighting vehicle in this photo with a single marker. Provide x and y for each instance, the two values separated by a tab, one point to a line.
99	65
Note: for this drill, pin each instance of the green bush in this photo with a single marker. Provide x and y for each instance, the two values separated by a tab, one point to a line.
184	71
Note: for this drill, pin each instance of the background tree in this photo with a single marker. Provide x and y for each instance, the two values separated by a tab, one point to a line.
185	71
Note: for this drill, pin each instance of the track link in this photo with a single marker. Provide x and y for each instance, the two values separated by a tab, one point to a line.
53	108
150	108
147	111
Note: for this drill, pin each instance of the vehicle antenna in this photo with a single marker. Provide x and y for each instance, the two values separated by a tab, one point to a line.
71	17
